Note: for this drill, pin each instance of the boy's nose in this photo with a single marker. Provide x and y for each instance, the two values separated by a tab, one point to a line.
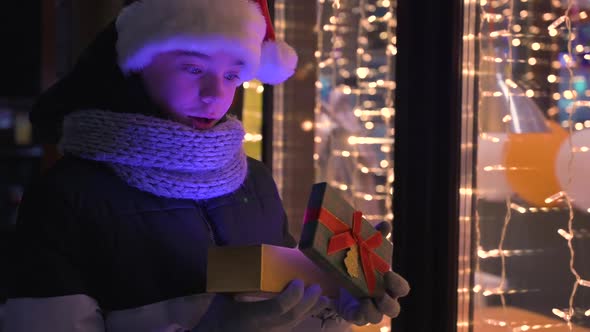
208	99
210	89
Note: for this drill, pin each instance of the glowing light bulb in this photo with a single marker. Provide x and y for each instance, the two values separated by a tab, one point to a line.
307	125
362	72
565	234
515	42
554	197
557	22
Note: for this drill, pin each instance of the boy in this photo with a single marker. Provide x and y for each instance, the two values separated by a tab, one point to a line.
114	237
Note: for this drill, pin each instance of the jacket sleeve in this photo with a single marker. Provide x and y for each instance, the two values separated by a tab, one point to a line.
49	286
73	313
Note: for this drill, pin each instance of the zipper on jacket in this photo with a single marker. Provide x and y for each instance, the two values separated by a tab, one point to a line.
208	223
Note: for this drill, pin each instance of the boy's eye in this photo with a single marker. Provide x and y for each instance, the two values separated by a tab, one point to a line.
232	77
193	70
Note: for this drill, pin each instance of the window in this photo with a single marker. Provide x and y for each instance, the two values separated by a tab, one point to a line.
525	197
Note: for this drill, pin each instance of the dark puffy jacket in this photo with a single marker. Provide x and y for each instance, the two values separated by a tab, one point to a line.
129	247
83	231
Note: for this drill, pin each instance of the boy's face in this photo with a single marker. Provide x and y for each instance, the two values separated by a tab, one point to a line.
194	89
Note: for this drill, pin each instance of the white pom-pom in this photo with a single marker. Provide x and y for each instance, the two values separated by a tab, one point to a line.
278	61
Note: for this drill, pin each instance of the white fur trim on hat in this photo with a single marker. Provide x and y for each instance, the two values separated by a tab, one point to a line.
149	27
278	62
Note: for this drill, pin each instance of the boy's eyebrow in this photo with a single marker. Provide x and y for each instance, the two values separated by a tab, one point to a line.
205	56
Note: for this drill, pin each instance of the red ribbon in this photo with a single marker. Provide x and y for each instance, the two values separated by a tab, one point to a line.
345	237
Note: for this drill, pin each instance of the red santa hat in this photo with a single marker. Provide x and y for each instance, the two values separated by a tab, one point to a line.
240	27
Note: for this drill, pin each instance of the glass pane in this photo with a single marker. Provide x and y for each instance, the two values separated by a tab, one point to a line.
354	108
525	213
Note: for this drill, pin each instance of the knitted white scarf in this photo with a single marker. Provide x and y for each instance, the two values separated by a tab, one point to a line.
160	156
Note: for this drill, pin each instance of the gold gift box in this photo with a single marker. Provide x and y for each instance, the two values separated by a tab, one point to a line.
262	270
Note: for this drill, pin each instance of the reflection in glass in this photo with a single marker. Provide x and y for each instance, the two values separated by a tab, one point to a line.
354	107
525	249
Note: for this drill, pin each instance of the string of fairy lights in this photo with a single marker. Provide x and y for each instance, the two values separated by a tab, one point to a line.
491	57
569	234
278	146
354	101
537	40
508	217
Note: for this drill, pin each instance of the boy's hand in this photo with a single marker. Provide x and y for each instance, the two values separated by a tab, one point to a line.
371	310
294	304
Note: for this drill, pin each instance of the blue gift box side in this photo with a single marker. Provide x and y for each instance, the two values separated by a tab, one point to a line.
315	237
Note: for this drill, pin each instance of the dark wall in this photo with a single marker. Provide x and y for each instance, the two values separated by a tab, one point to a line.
20	48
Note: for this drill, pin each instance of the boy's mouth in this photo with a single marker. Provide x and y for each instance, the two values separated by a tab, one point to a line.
201	123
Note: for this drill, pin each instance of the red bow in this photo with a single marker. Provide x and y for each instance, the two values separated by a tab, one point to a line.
345	237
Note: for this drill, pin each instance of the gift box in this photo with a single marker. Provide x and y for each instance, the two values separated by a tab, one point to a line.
337	238
262	270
